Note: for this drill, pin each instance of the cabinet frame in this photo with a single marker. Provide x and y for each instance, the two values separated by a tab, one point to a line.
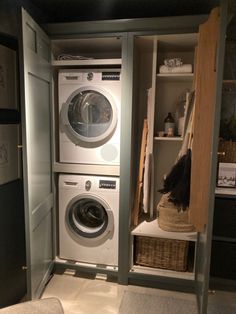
135	272
128	29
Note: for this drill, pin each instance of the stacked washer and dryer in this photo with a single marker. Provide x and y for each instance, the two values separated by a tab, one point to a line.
89	123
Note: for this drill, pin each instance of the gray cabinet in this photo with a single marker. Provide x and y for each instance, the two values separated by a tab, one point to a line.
222	269
124	41
223	251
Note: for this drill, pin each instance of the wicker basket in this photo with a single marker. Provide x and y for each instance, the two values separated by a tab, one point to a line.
170	219
161	253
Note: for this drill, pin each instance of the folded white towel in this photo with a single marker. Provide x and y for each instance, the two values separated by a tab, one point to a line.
65	56
174	62
185	68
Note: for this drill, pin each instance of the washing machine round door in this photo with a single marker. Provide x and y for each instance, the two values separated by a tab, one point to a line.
89	117
89	219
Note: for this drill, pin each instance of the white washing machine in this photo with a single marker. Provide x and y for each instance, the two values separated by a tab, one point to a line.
89	115
88	219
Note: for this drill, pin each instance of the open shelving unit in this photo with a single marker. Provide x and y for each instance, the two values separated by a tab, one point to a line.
167	90
152	229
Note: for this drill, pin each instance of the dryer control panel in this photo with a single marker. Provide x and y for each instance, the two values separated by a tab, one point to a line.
90	76
89	183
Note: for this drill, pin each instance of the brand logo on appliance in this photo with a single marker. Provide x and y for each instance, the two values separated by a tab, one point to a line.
90	76
88	185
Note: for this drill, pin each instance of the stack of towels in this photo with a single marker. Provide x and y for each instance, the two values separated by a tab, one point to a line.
175	65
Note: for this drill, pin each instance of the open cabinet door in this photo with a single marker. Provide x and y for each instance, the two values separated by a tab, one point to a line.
209	71
12	232
36	121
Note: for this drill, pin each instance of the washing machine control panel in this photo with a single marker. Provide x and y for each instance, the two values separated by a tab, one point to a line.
107	184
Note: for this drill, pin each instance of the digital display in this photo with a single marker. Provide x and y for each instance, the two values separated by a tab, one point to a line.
110	76
107	184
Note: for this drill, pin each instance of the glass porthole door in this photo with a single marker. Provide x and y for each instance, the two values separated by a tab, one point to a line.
90	117
88	218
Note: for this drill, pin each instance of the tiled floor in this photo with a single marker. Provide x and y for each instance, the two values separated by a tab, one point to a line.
94	296
98	296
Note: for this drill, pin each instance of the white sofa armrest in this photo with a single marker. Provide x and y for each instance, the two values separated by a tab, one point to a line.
42	306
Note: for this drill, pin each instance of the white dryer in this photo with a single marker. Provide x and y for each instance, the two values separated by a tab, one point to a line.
88	219
89	116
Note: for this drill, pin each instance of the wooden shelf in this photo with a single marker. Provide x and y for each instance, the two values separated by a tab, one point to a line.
61	63
165	138
152	229
229	81
225	191
175	77
224	239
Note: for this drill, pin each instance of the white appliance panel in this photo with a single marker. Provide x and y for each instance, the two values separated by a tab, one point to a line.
102	248
101	149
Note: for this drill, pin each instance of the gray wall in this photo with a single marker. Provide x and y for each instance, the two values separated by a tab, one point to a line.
8	20
10	13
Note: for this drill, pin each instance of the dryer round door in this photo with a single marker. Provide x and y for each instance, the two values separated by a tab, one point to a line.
89	117
89	220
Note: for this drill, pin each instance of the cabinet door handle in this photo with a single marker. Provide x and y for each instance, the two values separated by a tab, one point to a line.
221	154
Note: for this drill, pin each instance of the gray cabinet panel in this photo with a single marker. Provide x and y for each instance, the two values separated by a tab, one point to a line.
41	251
125	157
38	126
37	164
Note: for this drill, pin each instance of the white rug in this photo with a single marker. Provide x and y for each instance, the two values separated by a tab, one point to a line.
137	303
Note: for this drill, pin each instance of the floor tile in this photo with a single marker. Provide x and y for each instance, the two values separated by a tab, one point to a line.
85	296
80	295
64	287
